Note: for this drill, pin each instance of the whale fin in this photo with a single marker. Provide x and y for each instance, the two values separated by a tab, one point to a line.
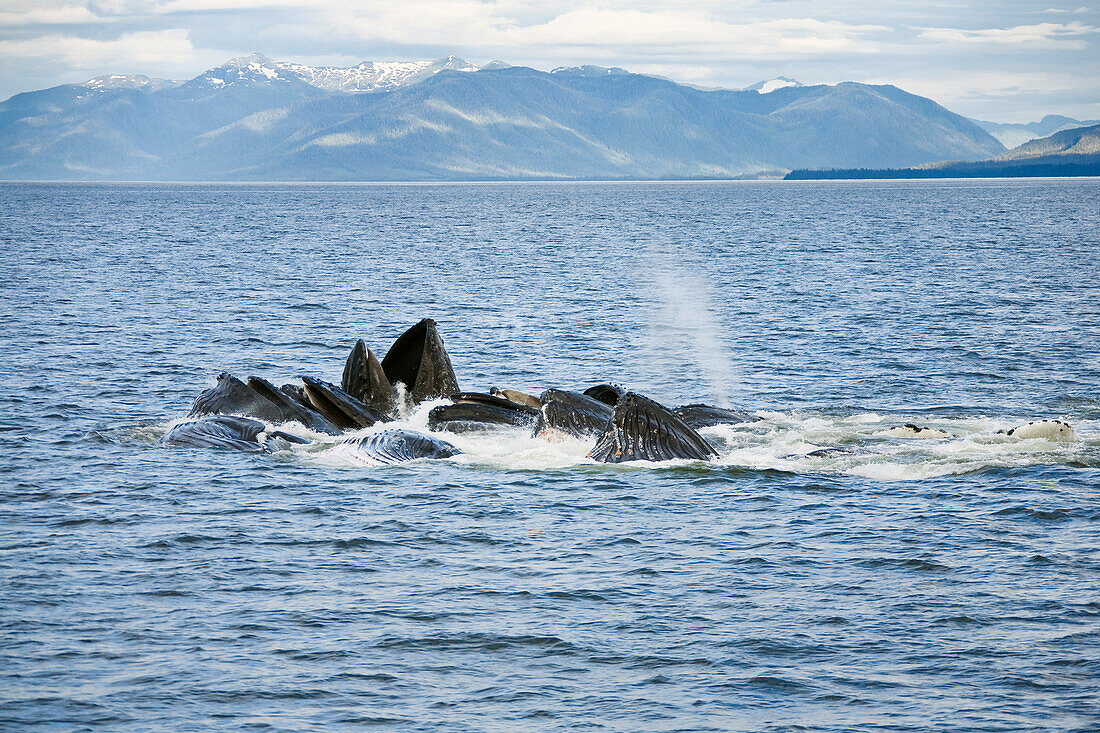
365	380
418	360
643	430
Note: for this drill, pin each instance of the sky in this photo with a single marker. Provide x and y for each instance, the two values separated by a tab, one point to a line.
994	59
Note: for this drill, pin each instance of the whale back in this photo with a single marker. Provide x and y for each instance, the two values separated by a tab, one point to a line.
705	416
418	360
643	430
365	380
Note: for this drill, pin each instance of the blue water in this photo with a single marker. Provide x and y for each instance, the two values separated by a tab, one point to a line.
947	584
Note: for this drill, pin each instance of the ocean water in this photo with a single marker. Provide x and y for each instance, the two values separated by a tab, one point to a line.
944	584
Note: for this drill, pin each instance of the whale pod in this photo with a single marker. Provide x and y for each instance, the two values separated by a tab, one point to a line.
231	396
472	411
308	417
338	406
227	431
418	360
571	413
705	416
365	380
643	430
394	446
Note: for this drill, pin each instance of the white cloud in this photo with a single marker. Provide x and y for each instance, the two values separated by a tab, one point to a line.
132	52
1045	34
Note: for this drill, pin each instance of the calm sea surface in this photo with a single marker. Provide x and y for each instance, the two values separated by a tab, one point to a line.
946	584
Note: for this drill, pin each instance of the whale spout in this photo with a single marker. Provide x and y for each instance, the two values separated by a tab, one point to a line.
365	380
418	360
643	430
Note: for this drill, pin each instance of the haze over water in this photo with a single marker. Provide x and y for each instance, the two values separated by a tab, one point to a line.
948	584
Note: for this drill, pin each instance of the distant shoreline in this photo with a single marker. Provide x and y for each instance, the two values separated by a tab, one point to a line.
1049	170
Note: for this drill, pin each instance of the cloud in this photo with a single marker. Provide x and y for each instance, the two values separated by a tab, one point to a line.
132	49
38	15
1044	34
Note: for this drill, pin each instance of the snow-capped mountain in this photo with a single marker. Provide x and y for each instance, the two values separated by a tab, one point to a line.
367	76
770	85
129	81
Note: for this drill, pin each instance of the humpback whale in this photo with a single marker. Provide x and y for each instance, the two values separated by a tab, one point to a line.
472	411
643	430
307	416
608	394
394	446
705	416
228	431
338	406
571	413
365	380
418	360
231	396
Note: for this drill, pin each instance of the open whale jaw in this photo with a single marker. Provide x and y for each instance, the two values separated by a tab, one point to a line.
642	430
570	413
338	406
418	360
296	411
472	412
365	380
231	396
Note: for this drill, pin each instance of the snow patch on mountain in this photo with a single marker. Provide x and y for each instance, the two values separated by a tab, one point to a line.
770	85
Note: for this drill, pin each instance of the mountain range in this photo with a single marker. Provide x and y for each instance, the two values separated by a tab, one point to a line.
255	118
1013	134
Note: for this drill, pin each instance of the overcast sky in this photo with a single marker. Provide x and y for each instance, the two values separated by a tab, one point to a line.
994	59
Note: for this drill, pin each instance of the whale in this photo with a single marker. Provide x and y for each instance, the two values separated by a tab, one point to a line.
608	394
471	411
338	406
643	430
365	380
298	412
229	432
573	414
699	415
418	360
392	446
231	396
